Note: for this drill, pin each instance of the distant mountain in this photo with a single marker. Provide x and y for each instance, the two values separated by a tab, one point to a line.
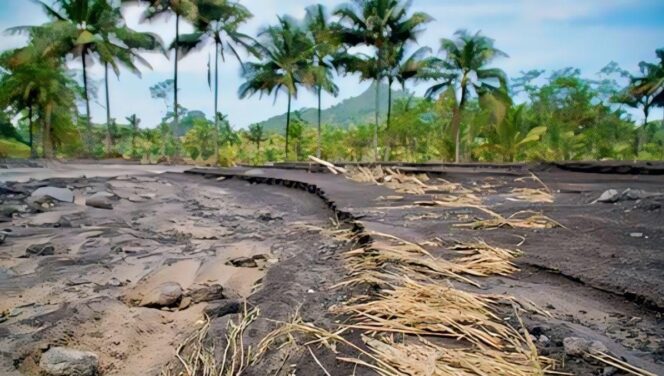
351	111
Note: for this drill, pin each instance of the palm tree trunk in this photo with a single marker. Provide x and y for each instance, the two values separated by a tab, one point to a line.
88	128
33	153
389	103
288	123
216	101
109	137
319	120
46	133
640	138
375	138
176	119
456	125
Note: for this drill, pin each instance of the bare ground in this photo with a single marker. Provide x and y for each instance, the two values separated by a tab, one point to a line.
600	277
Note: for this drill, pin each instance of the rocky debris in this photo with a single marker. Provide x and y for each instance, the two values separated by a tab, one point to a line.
268	217
636	234
45	249
63	361
575	346
243	262
612	196
100	200
167	294
205	293
59	194
3	236
185	303
223	307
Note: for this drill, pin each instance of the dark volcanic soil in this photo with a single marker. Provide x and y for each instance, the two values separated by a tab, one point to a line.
601	277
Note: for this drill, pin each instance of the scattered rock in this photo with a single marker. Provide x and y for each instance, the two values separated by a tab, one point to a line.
609	371
636	234
60	194
575	346
268	217
45	249
612	196
165	295
543	340
243	262
609	196
3	236
203	293
223	307
62	361
100	200
185	303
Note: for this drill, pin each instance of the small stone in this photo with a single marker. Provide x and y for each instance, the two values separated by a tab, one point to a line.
243	262
543	340
165	295
203	293
575	346
609	196
62	361
60	194
100	200
609	371
597	347
114	282
636	234
184	303
45	249
3	236
223	307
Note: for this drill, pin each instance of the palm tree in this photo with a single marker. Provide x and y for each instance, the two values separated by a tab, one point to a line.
287	50
511	134
38	83
134	123
218	21
646	91
125	53
383	25
326	41
77	27
181	8
256	135
465	69
416	66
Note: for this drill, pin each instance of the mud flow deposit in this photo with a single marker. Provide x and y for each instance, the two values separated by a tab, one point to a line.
317	269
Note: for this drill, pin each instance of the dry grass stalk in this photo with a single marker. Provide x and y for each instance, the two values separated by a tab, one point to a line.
416	184
530	195
522	219
453	201
485	259
425	358
436	310
196	357
619	364
331	167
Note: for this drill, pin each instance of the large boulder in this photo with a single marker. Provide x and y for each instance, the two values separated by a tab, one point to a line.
575	346
62	361
167	294
60	194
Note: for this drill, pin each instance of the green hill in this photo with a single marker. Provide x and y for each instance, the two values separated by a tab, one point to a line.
351	111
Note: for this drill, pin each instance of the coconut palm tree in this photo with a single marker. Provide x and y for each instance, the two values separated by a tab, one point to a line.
77	27
383	25
256	135
417	66
182	9
465	69
121	48
134	124
41	85
326	41
287	51
218	21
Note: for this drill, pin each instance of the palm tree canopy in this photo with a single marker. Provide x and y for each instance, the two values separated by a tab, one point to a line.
418	66
157	8
327	42
465	65
287	51
219	21
651	81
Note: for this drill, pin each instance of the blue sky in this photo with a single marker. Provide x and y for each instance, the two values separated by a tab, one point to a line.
538	34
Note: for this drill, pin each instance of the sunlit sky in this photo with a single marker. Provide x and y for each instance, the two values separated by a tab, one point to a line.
537	34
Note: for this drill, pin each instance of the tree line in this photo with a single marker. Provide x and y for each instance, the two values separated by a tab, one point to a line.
468	112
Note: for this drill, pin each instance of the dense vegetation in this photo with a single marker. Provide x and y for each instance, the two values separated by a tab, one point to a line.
471	110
